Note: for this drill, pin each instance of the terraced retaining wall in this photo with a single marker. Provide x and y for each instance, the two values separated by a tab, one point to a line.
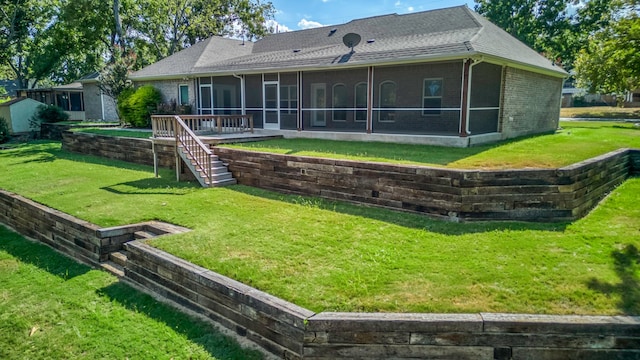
567	193
291	332
561	194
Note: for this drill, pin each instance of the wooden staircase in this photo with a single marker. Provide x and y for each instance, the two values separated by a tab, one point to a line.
205	166
218	175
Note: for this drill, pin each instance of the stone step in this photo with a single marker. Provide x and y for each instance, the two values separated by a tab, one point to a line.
119	257
218	176
113	268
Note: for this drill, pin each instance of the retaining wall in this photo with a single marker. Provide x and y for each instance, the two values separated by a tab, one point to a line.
562	194
292	332
567	193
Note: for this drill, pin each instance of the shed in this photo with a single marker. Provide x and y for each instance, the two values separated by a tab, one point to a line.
17	113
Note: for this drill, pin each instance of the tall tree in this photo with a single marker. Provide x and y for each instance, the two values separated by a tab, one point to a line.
556	28
164	27
610	64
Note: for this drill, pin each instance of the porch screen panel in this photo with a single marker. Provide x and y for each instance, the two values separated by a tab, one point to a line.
253	91
329	100
484	112
226	95
289	101
427	99
75	99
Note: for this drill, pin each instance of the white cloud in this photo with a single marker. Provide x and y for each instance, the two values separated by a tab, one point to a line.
276	26
410	8
309	24
398	3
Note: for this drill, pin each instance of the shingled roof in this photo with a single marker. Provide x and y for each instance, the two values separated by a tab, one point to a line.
445	34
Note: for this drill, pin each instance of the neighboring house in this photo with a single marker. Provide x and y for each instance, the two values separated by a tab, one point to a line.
82	99
18	112
445	76
98	106
69	97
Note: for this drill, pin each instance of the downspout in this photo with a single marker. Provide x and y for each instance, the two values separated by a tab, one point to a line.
473	63
243	103
102	103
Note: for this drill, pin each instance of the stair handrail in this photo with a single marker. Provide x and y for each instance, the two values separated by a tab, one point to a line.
194	146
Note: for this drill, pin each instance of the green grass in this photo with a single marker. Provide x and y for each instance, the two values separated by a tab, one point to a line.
600	112
54	308
577	141
141	134
327	255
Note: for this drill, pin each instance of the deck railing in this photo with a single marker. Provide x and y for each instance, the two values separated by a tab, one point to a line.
197	151
163	125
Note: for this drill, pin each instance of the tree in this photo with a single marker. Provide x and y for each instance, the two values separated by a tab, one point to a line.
556	28
610	64
167	26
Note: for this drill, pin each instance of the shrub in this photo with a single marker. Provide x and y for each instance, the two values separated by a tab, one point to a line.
136	106
4	130
50	114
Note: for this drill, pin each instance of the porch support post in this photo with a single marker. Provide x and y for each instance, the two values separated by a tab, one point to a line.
175	130
155	158
299	116
464	105
370	100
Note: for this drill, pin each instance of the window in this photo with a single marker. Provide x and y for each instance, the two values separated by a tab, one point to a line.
75	101
388	95
432	96
361	102
339	102
183	95
288	99
318	103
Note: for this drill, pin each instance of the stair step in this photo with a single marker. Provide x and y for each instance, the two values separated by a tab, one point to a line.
119	257
219	176
218	183
113	268
144	235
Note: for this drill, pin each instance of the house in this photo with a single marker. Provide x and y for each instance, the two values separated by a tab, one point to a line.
82	99
447	77
98	106
17	113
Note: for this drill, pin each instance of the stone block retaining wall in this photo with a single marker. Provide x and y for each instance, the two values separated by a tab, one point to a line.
292	332
567	193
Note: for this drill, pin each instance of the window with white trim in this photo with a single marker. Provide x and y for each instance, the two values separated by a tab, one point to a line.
183	95
339	102
388	97
360	99
432	97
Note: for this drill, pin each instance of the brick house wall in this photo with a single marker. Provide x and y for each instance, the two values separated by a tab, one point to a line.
531	103
170	88
94	102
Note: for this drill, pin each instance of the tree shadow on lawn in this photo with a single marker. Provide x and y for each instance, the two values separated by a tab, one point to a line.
626	263
49	150
404	219
39	255
150	186
196	330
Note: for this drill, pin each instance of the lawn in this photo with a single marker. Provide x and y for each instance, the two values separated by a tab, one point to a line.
54	308
600	112
134	133
332	256
576	141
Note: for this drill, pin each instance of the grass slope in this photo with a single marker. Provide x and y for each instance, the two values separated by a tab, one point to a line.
54	308
334	256
577	141
600	112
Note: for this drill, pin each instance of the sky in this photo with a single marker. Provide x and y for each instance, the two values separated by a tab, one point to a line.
304	14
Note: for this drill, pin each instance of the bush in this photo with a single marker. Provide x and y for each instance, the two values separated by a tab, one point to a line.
135	107
50	114
4	130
